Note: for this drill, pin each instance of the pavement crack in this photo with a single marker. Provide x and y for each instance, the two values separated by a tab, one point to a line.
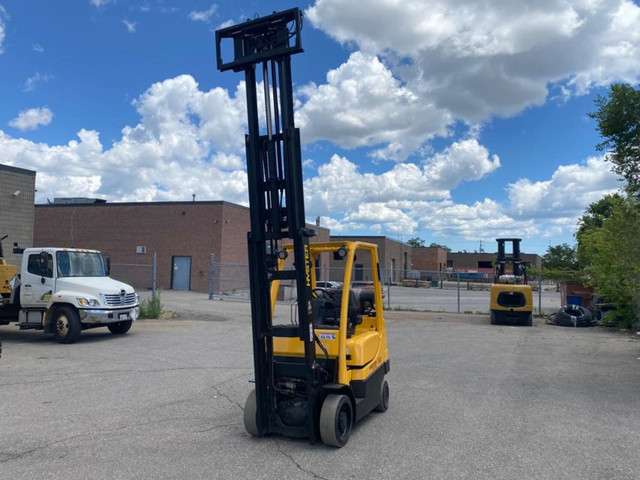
311	473
215	427
216	389
227	397
7	457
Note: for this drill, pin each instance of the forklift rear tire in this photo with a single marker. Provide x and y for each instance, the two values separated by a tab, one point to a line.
384	397
336	420
529	321
493	318
250	409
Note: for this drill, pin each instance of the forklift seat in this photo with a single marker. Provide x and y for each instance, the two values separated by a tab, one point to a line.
328	309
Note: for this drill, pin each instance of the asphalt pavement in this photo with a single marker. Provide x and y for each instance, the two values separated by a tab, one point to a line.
468	401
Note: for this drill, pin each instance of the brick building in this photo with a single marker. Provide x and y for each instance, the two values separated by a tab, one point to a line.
482	263
17	194
182	234
429	259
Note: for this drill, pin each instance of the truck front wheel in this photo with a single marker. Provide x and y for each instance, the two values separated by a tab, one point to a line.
120	327
66	324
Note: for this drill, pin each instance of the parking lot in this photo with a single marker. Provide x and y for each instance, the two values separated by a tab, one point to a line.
468	400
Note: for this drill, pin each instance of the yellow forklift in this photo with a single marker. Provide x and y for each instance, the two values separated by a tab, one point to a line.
7	272
324	369
511	297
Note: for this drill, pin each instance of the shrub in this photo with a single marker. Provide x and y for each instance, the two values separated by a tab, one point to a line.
151	307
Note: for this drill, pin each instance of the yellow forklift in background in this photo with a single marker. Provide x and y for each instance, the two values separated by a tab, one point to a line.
322	370
511	297
7	272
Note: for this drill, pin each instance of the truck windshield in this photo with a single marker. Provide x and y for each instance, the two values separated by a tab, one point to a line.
80	264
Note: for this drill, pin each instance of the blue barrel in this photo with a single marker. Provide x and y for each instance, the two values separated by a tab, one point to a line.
574	300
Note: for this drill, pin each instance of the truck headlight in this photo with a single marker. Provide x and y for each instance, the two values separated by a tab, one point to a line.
87	302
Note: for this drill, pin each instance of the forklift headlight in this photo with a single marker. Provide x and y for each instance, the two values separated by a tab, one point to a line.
340	254
87	302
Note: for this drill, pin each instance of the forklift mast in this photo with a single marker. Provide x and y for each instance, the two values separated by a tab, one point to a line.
504	259
276	199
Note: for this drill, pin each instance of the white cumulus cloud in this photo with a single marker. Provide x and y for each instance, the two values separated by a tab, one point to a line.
172	152
363	104
32	118
477	59
392	201
570	189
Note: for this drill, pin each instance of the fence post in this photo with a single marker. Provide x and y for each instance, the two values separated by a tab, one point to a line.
458	275
154	270
211	270
540	295
389	287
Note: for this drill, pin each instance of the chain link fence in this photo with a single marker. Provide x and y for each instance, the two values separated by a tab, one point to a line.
437	291
141	276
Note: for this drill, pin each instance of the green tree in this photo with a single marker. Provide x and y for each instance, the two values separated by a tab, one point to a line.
560	257
593	219
597	212
415	242
611	256
618	118
437	245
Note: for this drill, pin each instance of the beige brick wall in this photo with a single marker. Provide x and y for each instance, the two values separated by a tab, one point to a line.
16	209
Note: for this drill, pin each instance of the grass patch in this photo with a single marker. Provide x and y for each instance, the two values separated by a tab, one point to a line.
151	307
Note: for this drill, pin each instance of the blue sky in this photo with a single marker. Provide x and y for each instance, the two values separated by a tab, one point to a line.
454	122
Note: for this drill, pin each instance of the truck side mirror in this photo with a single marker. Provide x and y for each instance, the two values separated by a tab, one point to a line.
108	266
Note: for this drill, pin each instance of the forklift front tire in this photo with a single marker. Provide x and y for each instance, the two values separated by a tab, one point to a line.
384	397
336	420
250	409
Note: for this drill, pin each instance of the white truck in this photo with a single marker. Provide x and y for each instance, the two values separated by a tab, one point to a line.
66	290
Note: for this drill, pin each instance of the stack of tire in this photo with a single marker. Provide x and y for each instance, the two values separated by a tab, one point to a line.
573	316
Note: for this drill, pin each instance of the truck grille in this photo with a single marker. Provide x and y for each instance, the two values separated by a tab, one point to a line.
117	300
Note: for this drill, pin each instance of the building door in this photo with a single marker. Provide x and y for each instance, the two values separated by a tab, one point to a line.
358	272
181	273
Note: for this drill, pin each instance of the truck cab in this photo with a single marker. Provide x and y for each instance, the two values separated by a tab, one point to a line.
66	290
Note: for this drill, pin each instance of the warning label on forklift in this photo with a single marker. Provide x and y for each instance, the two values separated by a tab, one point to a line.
327	336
